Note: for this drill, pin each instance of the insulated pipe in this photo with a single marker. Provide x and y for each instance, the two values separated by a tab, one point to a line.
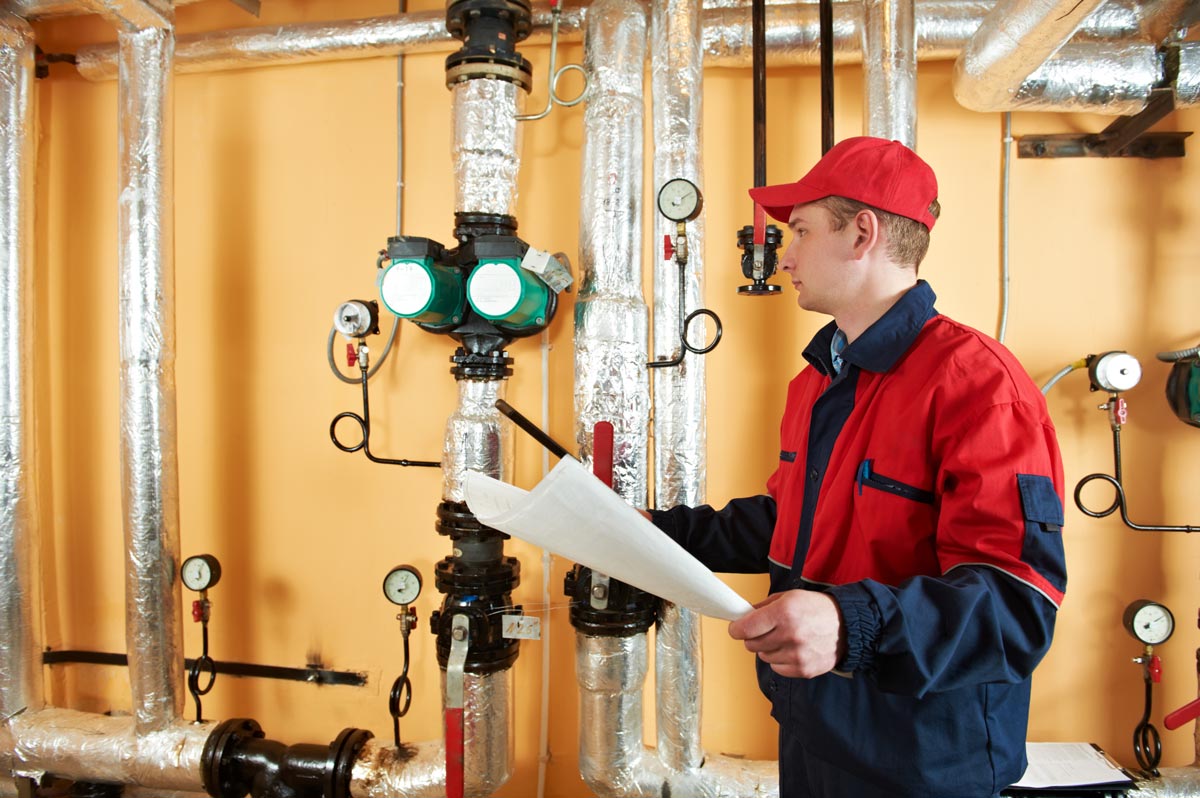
486	149
680	431
20	628
420	771
1015	38
476	438
88	747
942	28
149	464
611	381
890	70
613	761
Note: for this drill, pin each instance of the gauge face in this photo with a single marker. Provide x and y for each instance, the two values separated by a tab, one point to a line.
200	572
679	200
1149	622
1116	371
402	585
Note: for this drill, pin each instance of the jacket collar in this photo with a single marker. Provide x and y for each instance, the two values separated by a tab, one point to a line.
882	344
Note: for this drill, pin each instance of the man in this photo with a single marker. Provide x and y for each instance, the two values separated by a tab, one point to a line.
912	529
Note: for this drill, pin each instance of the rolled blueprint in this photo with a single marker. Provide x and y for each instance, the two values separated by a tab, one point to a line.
575	515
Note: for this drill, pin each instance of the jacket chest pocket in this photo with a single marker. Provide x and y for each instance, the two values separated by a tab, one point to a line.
868	477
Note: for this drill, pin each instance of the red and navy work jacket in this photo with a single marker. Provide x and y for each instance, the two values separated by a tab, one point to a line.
921	487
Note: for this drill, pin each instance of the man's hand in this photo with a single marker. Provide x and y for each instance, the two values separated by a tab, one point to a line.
797	632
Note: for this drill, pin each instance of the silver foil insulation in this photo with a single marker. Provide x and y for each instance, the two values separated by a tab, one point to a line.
680	423
149	460
476	439
89	747
611	381
890	70
20	627
420	772
486	148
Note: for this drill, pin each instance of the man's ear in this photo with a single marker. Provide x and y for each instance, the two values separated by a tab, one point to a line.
866	231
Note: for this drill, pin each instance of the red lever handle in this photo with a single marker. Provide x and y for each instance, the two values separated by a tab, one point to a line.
1185	714
602	452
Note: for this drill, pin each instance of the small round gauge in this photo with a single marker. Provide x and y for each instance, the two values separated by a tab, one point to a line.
679	200
200	572
1116	371
402	585
1149	622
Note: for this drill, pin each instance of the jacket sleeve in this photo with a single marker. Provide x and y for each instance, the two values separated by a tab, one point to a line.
732	540
989	617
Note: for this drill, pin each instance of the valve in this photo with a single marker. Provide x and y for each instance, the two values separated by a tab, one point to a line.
759	243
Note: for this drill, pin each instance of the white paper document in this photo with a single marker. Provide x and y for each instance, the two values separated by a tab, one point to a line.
1071	765
575	515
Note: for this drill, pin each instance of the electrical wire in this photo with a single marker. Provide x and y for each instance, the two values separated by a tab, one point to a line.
1064	371
1006	140
1178	354
337	372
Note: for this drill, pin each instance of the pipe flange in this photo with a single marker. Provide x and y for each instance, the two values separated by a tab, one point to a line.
343	753
224	740
467	68
517	13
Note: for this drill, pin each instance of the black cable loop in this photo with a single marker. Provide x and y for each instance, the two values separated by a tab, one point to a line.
401	696
1147	745
1119	502
203	664
364	426
684	321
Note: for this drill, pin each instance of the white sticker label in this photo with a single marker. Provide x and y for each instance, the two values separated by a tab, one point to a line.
522	627
406	288
495	289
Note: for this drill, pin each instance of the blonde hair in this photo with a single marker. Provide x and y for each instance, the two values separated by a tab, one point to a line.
907	239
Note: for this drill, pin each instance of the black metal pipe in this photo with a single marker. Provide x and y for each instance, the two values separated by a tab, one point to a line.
759	68
825	13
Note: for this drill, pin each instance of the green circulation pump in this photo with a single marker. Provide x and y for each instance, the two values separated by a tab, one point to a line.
503	292
423	291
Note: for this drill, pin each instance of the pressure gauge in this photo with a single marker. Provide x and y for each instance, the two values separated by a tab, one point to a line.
679	200
356	319
1115	371
1148	621
402	585
200	572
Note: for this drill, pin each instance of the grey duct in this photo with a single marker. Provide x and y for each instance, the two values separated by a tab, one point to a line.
611	383
680	425
1020	58
793	36
890	70
149	460
20	627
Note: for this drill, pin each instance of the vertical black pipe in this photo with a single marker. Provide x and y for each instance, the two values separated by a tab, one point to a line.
759	48
826	19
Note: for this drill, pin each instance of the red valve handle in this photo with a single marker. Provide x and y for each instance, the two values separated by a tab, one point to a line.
668	247
1155	669
602	452
351	356
1185	714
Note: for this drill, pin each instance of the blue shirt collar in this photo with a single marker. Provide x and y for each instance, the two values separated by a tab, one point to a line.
881	344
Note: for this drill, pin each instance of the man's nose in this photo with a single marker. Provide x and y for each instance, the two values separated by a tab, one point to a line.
787	262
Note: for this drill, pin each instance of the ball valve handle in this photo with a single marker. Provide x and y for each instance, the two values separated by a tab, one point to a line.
1185	714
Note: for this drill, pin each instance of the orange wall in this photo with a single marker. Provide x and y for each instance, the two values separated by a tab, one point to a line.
284	192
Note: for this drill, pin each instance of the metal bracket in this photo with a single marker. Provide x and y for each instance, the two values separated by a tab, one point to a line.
599	592
1126	137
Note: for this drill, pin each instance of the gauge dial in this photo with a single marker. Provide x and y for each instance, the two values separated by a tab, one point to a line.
1149	622
679	200
402	585
200	572
1116	371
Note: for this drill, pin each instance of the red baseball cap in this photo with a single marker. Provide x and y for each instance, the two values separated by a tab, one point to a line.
883	174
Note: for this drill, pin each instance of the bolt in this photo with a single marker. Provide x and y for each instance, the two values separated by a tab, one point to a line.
600	592
459	633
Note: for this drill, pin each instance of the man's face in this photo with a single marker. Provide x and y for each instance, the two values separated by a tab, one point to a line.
815	259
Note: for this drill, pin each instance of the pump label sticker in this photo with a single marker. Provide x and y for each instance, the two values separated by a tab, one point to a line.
521	627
